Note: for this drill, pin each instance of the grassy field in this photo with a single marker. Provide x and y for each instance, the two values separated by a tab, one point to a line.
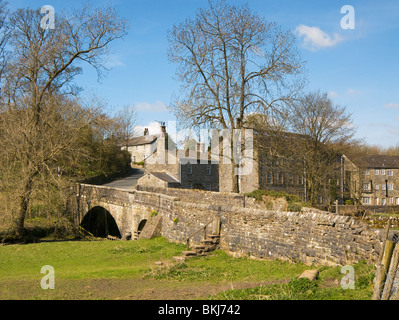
145	269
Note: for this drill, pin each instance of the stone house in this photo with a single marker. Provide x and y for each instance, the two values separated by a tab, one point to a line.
373	180
268	170
187	169
142	147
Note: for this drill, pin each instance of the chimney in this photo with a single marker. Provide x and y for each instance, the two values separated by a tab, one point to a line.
163	129
146	132
200	146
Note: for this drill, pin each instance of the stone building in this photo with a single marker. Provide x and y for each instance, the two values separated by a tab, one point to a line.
268	170
373	180
142	147
188	169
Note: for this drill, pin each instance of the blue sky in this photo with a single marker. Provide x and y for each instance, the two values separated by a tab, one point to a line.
358	67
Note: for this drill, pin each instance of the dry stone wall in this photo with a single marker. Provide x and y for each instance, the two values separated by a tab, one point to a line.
310	236
247	229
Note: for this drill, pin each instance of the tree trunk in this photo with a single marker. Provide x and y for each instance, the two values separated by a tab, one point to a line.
19	222
235	188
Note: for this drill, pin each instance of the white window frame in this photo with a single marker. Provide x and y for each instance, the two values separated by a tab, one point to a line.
383	172
366	200
390	173
376	172
390	186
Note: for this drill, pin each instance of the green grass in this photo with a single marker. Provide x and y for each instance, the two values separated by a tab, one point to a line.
219	266
326	287
127	269
84	259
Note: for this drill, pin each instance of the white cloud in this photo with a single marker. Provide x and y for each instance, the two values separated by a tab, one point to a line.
153	128
158	106
392	105
314	38
333	94
353	91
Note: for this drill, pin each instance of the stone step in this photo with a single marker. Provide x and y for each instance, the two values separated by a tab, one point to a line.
189	253
214	236
199	248
180	258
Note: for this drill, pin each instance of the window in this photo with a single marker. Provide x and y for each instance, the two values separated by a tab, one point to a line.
366	200
397	201
281	178
390	186
390	173
209	187
383	187
377	172
189	168
376	201
367	172
290	178
377	187
383	172
390	200
366	186
383	201
269	178
208	169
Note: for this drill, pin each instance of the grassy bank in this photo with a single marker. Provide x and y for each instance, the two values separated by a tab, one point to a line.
145	270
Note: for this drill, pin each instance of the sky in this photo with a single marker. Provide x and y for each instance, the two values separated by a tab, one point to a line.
352	55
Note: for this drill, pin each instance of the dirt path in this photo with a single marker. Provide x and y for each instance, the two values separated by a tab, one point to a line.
116	289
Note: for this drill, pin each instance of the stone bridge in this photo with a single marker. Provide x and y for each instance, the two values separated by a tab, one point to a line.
116	212
247	227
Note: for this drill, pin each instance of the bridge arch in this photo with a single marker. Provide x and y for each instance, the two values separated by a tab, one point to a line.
99	222
141	226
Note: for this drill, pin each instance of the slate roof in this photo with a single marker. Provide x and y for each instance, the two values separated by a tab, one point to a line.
379	161
165	177
138	141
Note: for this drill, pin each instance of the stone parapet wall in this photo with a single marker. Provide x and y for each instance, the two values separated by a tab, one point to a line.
318	238
310	236
206	197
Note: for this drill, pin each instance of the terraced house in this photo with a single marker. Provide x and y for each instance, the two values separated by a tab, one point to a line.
374	180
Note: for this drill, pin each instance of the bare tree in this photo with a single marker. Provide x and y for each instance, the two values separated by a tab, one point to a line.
40	72
232	62
126	118
4	36
320	131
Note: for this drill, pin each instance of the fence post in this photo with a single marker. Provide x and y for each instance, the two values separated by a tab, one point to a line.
382	270
391	274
